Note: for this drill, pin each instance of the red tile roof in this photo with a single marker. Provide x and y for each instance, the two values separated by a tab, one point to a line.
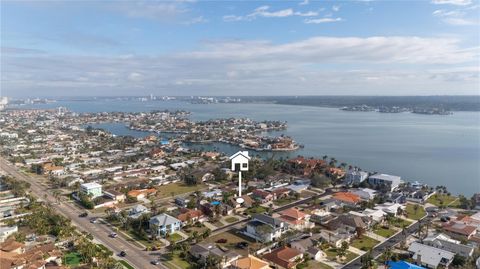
347	197
284	256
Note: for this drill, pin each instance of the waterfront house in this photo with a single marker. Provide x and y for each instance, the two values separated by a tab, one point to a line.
265	228
365	194
429	256
163	224
355	176
284	258
384	181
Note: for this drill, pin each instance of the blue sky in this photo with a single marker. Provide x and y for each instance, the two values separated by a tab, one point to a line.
364	47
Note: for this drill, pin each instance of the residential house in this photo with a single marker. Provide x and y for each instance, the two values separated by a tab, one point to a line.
142	193
6	231
226	257
459	230
250	262
429	256
336	237
115	195
190	215
355	176
265	228
307	246
296	219
346	198
284	258
365	194
389	182
262	196
137	211
164	223
347	222
444	242
280	193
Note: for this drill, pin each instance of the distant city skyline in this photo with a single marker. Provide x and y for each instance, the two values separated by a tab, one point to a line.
233	48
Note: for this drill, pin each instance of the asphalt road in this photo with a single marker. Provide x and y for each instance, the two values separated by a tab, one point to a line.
136	256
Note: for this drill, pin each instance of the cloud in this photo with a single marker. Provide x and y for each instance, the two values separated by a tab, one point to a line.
318	65
265	12
321	20
455	17
336	8
196	20
14	50
304	2
452	2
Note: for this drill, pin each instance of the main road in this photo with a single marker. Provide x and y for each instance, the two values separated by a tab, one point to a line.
136	256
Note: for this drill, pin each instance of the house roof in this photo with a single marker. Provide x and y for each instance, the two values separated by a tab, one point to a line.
267	220
293	213
282	256
240	153
164	219
459	228
135	193
429	255
250	262
347	197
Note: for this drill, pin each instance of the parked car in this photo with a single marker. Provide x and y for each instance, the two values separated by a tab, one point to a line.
113	235
221	241
242	245
122	253
83	215
93	220
155	262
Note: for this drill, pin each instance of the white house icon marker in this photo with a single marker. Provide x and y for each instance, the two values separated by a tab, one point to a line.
240	163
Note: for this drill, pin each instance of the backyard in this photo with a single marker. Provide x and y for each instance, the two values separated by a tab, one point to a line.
332	255
256	210
174	237
231	219
364	243
441	199
284	201
232	239
415	214
384	231
172	260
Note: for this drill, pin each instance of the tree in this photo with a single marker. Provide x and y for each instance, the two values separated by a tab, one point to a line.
367	260
458	260
342	251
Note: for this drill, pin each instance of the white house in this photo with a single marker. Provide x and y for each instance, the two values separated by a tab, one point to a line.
430	257
355	176
239	161
92	188
389	181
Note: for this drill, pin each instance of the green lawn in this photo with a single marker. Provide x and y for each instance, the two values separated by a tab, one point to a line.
175	237
256	210
73	259
385	232
332	255
231	219
126	264
441	199
364	243
312	264
173	261
176	189
400	223
415	215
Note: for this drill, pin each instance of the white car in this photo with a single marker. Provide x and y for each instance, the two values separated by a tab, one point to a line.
113	235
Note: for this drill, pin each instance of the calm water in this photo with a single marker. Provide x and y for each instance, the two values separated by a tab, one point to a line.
437	150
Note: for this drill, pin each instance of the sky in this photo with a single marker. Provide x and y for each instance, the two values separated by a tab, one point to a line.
234	48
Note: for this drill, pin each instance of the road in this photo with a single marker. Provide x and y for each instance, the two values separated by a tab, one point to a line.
389	243
136	256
